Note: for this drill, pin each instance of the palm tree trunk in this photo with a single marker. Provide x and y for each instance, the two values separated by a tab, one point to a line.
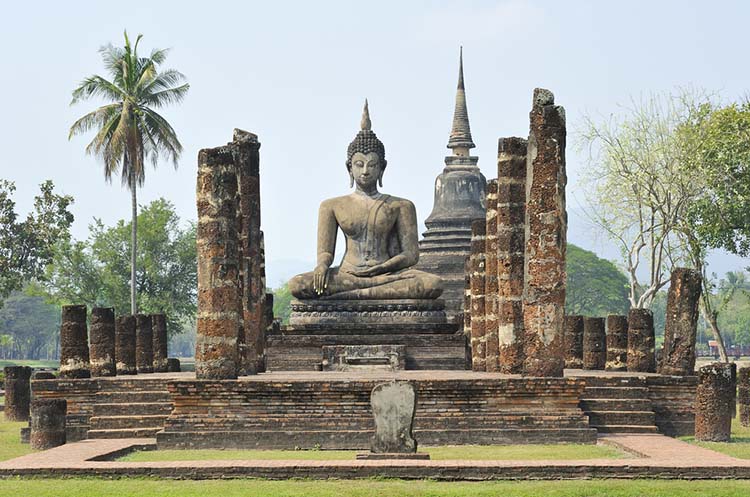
133	240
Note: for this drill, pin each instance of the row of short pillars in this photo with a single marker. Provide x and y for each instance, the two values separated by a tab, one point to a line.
618	343
124	345
721	389
46	416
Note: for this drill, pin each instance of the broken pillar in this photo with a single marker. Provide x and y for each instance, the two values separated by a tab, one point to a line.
511	211
246	156
713	403
594	343
74	343
491	297
617	343
681	323
546	233
641	353
743	395
17	393
160	342
573	331
478	339
47	423
102	349
125	345
144	344
219	293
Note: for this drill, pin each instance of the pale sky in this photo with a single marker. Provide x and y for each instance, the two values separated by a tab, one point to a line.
297	73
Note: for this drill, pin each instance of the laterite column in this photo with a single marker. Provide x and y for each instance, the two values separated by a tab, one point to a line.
573	333
511	229
160	341
641	341
681	324
218	324
17	392
491	297
594	343
546	233
125	345
47	423
478	339
74	343
617	343
102	349
743	395
713	403
144	344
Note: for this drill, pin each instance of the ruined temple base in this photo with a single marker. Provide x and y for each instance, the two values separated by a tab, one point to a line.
417	328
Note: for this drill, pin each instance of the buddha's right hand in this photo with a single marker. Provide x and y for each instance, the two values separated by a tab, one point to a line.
320	279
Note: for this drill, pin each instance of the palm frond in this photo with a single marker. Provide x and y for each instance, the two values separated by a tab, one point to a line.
97	86
163	134
98	117
166	97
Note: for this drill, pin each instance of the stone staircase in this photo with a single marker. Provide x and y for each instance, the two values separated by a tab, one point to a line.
137	412
618	405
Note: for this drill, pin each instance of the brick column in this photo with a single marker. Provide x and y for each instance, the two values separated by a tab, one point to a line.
17	392
743	395
467	298
125	345
713	403
573	339
478	338
511	211
491	297
546	233
102	349
681	324
617	343
246	156
641	341
160	342
48	423
594	343
144	344
216	349
74	343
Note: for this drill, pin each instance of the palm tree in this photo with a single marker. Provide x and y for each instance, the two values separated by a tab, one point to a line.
128	129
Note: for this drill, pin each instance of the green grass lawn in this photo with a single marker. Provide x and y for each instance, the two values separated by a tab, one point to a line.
739	446
369	488
28	362
471	452
10	439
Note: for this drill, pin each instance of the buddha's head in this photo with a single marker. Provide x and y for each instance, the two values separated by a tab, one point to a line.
365	157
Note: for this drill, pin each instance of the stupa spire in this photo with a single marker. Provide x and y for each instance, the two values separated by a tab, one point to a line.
460	140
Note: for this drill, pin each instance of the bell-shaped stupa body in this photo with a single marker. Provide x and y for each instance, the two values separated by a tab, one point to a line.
460	192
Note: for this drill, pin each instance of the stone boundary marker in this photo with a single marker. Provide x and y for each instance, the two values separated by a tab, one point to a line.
17	392
713	403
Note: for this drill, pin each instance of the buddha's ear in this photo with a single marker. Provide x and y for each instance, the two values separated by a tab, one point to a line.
351	180
382	170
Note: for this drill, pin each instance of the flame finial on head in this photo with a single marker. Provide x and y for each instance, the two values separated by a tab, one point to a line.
365	123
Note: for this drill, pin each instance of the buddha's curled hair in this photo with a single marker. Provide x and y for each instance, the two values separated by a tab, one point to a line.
366	141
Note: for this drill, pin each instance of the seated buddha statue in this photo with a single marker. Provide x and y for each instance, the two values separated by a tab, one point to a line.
381	236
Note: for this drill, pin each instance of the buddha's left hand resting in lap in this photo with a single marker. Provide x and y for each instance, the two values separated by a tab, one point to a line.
380	232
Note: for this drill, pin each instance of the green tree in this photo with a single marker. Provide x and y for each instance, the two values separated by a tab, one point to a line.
26	247
282	300
94	271
595	287
128	129
32	327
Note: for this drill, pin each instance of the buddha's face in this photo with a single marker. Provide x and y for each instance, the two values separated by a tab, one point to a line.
366	169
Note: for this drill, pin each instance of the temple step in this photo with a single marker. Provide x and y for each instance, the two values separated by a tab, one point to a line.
625	428
125	433
132	409
636	393
127	422
135	396
590	404
619	418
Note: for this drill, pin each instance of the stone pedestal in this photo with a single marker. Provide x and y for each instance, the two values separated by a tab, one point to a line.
17	393
47	423
681	323
594	343
125	345
74	344
713	403
511	210
393	407
219	291
617	343
160	342
573	342
641	353
144	344
478	331
743	395
364	357
546	233
102	350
